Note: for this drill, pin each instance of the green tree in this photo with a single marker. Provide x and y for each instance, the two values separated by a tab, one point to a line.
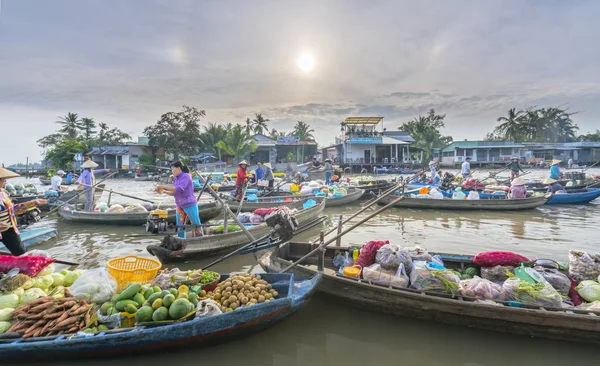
274	134
259	124
537	124
303	131
236	143
512	125
592	136
249	127
177	132
88	128
426	132
62	155
50	140
213	133
110	136
71	125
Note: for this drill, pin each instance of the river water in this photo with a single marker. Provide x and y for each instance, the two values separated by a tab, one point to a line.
332	334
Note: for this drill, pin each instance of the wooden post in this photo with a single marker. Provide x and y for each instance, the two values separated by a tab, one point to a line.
109	197
321	265
225	226
338	242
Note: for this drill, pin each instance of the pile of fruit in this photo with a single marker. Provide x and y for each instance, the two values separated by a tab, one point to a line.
242	290
150	303
48	316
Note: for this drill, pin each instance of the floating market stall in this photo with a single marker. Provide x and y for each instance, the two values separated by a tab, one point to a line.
480	204
500	291
130	306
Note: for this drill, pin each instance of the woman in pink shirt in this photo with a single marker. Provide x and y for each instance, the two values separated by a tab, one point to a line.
183	191
517	189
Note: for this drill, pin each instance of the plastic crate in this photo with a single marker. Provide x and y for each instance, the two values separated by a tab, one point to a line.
132	269
127	320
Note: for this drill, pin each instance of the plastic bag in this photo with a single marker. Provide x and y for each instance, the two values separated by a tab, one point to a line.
256	219
589	290
95	285
116	208
482	289
539	294
591	306
263	211
27	264
206	308
244	217
574	295
136	208
111	321
163	279
390	256
583	266
557	279
368	253
497	274
425	277
309	203
491	259
419	254
375	273
38	253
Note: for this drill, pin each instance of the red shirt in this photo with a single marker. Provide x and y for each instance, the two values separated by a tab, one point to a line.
241	176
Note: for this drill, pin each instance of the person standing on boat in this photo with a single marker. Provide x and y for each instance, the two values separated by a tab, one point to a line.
269	175
432	169
87	180
466	168
517	189
555	170
328	171
570	163
185	201
437	178
259	172
56	181
515	167
9	232
241	179
554	186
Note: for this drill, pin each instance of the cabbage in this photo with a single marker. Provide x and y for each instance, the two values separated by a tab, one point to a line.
43	282
46	271
4	326
27	285
9	301
19	291
64	272
71	277
58	292
32	294
6	314
589	290
59	279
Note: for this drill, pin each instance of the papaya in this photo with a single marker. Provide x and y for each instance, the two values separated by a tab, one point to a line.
102	327
104	308
153	297
168	300
144	314
193	298
120	306
157	304
131	309
183	289
160	314
179	308
114	297
164	293
129	292
139	298
156	289
182	295
148	292
173	292
111	311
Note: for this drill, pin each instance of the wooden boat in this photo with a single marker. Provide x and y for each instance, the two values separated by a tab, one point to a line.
228	188
574	198
265	202
318	174
576	167
354	194
22	198
210	245
207	211
147	178
375	188
191	334
450	204
34	236
70	197
564	324
47	182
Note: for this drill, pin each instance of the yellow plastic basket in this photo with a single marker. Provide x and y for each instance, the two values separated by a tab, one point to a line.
127	320
294	188
132	269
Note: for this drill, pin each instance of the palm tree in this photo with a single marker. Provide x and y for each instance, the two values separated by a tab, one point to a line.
71	124
260	124
88	126
303	131
248	127
236	143
512	127
274	134
211	136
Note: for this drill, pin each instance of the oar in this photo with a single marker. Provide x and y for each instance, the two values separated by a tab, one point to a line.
591	166
242	199
57	260
204	187
325	244
124	195
274	189
76	196
157	167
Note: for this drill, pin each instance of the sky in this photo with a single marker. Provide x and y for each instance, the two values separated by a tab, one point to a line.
127	62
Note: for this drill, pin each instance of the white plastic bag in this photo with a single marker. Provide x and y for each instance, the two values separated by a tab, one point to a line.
375	273
206	308
390	256
95	285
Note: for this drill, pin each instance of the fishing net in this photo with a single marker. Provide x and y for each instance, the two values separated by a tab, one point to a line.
27	264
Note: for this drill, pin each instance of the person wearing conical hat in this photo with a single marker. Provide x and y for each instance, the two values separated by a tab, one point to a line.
241	179
328	171
9	232
554	186
269	175
87	180
517	188
515	167
555	169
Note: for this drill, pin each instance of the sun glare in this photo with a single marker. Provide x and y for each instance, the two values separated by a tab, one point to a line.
306	62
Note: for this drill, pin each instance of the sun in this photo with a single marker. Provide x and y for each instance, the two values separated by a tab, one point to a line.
306	62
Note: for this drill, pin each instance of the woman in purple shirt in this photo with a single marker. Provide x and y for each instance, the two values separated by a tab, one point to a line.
183	191
87	180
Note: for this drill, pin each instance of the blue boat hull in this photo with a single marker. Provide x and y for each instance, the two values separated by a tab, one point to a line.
195	333
574	198
34	236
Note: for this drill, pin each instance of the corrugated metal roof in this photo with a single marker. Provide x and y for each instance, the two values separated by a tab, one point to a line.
362	120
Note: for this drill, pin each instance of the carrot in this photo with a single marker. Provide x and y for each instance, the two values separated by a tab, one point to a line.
67	322
53	315
35	316
64	316
72	330
41	307
41	300
69	304
68	293
81	310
